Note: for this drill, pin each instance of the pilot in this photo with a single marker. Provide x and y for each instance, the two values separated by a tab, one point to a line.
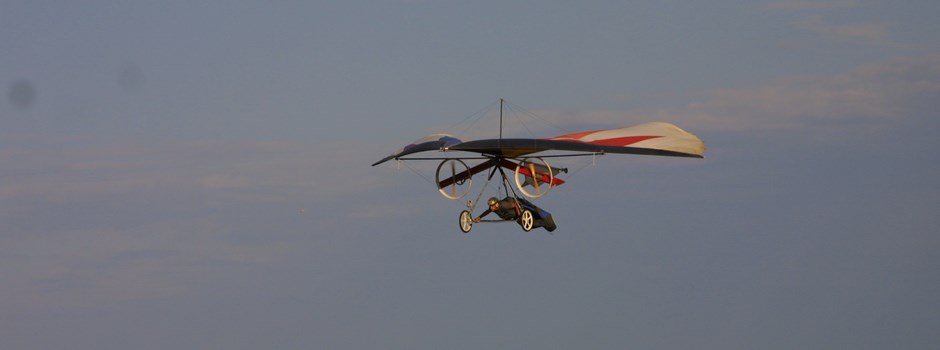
506	209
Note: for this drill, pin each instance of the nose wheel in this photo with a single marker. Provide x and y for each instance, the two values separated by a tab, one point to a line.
466	221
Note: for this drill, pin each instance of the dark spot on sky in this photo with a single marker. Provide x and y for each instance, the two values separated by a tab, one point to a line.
22	94
130	77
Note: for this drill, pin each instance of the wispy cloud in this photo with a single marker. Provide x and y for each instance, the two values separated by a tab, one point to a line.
812	5
871	33
68	173
811	18
882	92
94	265
95	223
895	89
887	91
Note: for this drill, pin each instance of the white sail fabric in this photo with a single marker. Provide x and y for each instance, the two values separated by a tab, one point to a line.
654	135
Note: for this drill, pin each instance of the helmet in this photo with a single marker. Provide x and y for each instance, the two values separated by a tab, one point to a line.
492	201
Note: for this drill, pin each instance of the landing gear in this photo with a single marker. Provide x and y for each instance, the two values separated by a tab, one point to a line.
466	221
534	173
527	220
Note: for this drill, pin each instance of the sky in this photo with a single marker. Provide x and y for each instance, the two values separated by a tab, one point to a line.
196	175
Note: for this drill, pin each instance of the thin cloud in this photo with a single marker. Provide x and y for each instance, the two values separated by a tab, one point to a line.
866	96
797	5
61	175
224	181
899	88
156	260
882	92
90	224
810	19
871	34
895	89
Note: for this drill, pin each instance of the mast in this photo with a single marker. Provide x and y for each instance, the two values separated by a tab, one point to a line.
500	121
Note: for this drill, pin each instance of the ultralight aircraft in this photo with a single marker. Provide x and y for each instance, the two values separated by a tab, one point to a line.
532	175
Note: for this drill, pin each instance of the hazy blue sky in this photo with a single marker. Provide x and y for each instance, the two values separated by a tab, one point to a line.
195	175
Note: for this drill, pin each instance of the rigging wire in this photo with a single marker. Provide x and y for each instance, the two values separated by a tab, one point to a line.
522	122
514	111
571	174
486	184
476	118
534	116
416	172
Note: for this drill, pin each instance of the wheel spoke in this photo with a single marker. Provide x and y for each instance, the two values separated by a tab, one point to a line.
466	221
527	220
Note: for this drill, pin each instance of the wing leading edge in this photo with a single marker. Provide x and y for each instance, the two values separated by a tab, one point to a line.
655	138
428	143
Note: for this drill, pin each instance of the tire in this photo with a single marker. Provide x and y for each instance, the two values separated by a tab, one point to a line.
466	221
527	220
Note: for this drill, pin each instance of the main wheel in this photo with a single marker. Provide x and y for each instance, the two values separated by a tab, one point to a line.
466	221
527	220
